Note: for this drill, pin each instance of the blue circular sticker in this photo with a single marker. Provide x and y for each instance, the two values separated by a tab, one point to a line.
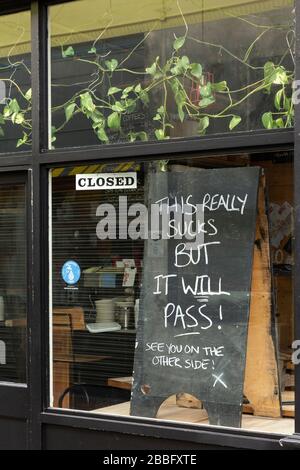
71	272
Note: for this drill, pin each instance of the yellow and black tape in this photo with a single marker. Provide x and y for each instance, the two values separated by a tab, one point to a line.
96	168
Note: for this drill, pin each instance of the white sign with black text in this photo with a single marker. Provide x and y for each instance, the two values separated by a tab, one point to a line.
100	181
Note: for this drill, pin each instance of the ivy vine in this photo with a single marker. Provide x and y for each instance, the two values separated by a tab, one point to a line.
105	109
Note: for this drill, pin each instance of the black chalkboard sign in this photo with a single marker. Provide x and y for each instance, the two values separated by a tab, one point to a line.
195	299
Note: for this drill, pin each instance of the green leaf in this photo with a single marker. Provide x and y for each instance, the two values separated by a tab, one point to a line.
126	91
182	65
269	69
280	76
28	94
2	121
279	123
53	132
23	140
167	66
220	86
206	90
159	134
69	111
278	99
180	101
179	43
101	134
69	52
14	106
1	132
87	103
175	85
181	114
206	102
118	107
133	136
113	90
130	105
180	97
203	124
19	118
152	70
111	64
114	121
98	119
196	70
185	62
144	96
234	122
267	120
6	111
138	88
97	116
163	165
143	136
287	102
274	75
92	50
11	109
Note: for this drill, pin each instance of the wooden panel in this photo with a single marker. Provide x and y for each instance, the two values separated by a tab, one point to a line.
261	375
61	381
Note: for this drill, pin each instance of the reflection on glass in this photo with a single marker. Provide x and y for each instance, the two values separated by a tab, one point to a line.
15	82
128	72
12	284
119	327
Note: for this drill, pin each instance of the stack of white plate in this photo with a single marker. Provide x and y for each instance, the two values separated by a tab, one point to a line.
105	309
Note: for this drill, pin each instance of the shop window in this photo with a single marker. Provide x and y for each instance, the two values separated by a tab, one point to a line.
172	285
13	297
155	70
15	83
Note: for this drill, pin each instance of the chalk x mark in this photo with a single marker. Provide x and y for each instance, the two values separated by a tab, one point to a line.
218	380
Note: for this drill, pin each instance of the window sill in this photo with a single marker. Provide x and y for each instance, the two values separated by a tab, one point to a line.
168	431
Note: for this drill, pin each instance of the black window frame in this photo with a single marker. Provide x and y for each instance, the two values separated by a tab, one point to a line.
37	163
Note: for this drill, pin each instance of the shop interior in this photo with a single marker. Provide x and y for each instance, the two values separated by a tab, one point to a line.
13	291
94	322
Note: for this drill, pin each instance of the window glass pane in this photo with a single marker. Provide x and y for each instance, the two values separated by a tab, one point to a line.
15	83
124	71
12	284
172	280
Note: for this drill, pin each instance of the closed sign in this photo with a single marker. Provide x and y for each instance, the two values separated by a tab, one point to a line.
106	181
